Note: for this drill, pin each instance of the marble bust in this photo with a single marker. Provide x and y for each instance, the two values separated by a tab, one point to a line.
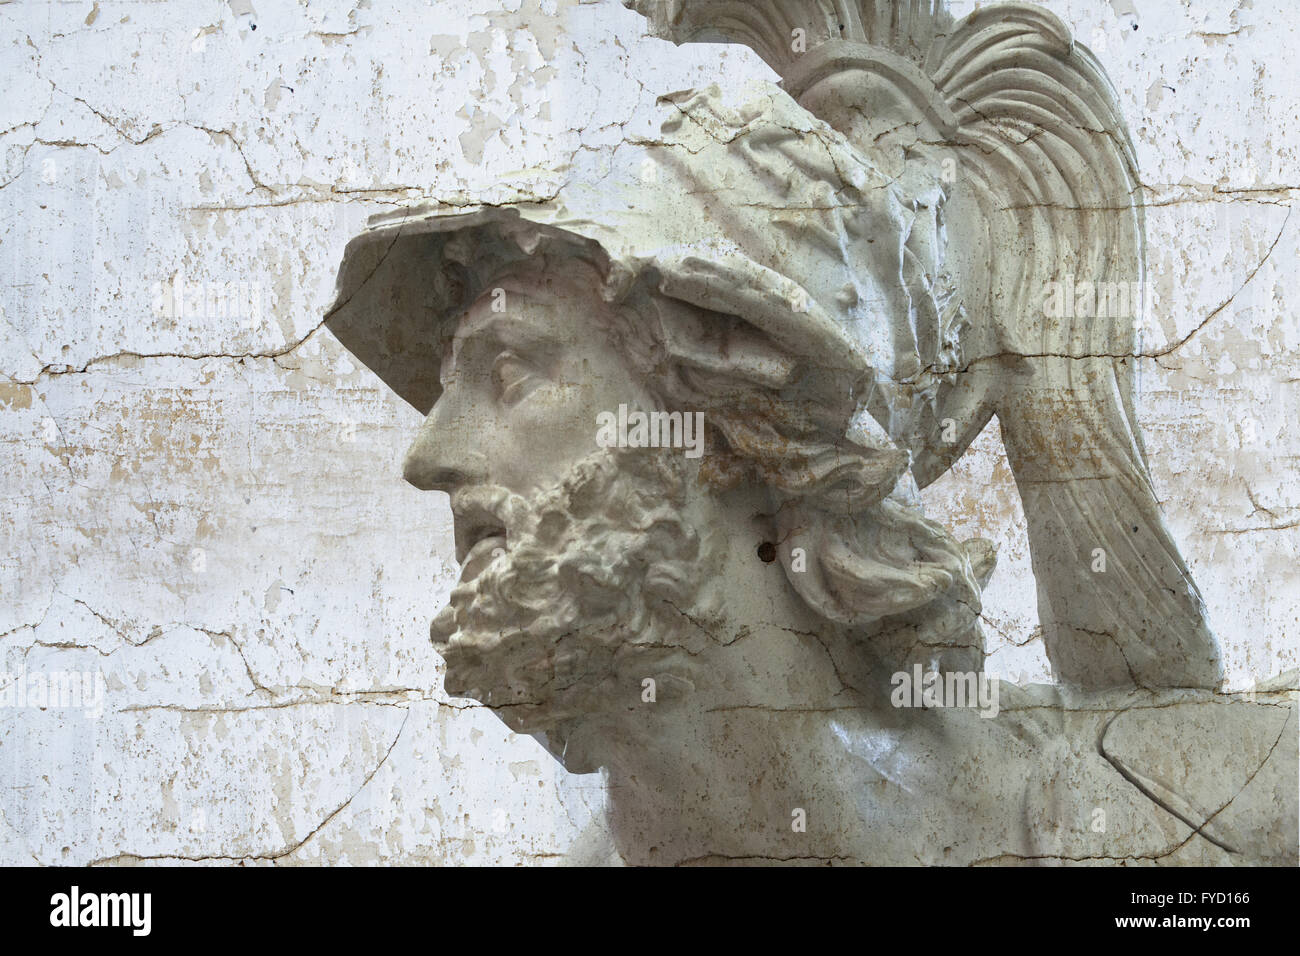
681	412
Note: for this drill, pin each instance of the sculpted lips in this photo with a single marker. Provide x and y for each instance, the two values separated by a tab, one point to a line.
480	532
476	545
481	555
482	515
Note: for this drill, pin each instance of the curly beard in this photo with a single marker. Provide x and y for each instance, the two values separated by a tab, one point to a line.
595	589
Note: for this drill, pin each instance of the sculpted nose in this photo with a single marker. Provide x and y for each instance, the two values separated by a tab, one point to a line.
442	458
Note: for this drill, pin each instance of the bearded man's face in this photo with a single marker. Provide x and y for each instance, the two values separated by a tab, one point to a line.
579	563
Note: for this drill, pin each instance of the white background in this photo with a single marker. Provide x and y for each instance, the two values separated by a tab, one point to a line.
208	509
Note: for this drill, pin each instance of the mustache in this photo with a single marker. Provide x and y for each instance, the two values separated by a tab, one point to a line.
489	503
612	500
476	510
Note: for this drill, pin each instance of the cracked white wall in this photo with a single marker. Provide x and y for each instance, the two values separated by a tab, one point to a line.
207	507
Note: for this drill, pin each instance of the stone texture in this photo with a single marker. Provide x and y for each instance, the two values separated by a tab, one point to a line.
208	508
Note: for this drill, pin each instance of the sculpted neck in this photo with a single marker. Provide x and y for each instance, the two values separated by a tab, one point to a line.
791	766
753	771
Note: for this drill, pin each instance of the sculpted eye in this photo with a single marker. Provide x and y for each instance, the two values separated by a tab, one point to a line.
511	377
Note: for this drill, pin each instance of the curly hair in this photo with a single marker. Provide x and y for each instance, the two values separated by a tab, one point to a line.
839	491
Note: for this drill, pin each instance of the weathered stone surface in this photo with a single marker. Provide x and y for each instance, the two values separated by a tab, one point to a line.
205	505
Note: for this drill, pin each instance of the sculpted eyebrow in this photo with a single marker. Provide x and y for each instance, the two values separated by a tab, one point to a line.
516	333
527	338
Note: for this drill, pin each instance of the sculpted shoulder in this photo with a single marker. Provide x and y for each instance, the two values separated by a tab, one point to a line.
1175	777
